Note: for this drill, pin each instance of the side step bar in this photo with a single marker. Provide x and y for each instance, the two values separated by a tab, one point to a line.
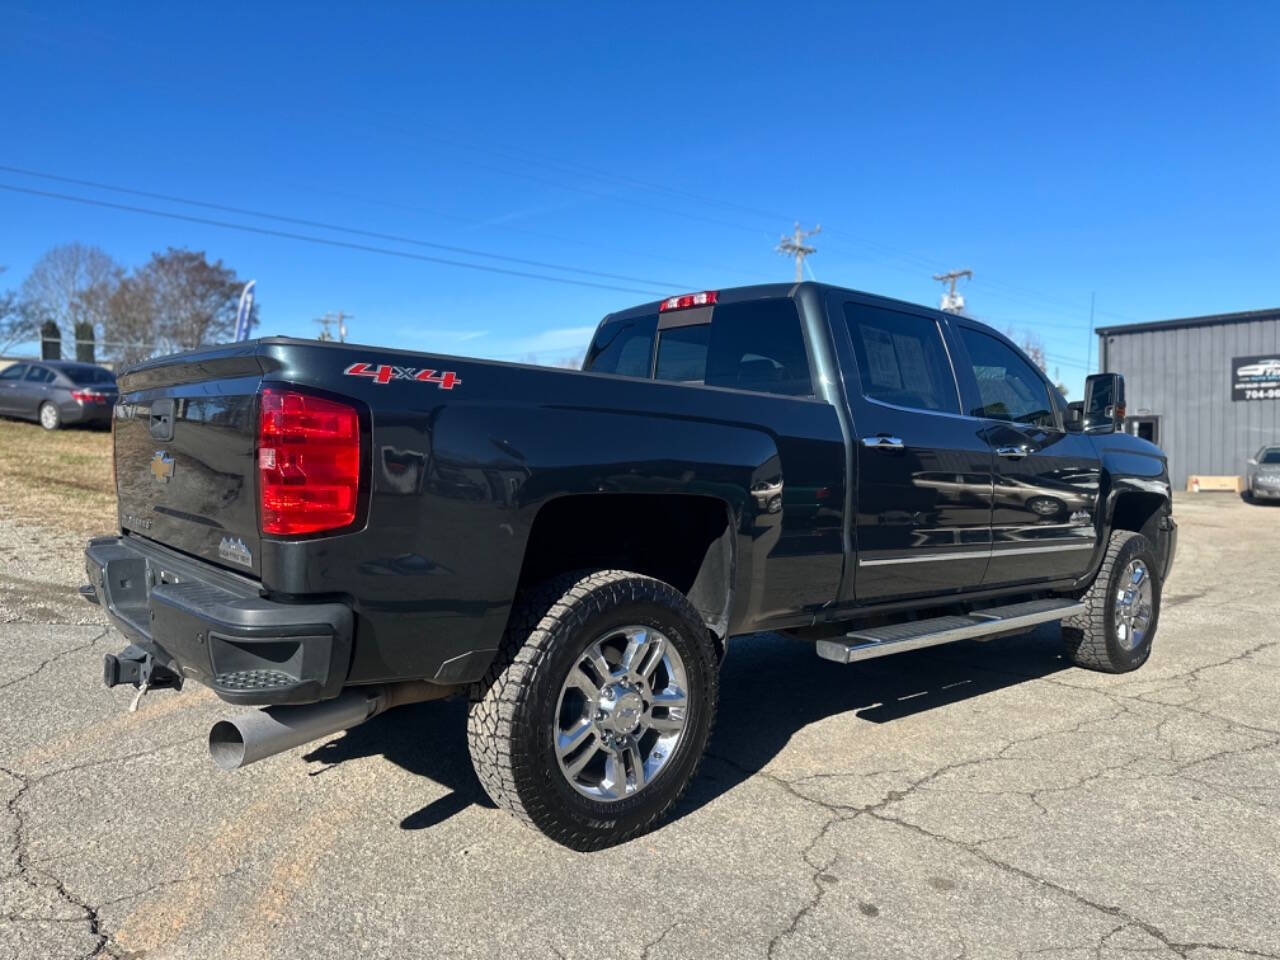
915	634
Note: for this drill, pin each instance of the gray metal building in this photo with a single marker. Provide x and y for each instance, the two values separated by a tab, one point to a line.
1206	389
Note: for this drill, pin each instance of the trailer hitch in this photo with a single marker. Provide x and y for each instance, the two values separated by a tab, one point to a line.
135	666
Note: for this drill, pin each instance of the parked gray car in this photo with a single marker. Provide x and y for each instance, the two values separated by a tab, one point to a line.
58	392
1262	474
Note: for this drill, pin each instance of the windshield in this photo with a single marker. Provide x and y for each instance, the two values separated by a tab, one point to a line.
1270	456
90	376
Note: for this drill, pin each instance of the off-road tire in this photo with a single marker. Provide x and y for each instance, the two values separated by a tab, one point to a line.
49	415
1090	637
509	722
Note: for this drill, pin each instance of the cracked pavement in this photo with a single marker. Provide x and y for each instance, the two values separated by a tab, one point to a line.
975	800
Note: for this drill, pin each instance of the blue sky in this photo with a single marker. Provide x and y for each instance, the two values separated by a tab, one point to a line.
1129	150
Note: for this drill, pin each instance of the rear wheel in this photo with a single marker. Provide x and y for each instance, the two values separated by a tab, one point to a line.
1122	607
594	718
50	418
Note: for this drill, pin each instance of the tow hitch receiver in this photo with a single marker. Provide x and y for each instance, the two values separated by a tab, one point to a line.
137	667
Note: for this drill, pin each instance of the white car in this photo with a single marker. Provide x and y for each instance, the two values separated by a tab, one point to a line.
1267	368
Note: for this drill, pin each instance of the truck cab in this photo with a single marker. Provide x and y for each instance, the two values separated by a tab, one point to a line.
966	471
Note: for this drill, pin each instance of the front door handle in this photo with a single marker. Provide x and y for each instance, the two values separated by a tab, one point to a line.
883	442
1013	453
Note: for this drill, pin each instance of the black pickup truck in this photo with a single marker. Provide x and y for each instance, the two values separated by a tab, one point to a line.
329	530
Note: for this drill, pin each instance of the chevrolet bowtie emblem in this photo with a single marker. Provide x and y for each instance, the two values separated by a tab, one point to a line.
162	466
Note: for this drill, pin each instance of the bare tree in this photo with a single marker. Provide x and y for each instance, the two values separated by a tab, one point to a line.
177	301
16	325
196	299
134	321
71	284
1033	347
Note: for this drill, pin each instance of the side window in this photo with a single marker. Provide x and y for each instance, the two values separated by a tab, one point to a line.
623	347
757	345
902	359
1008	385
14	372
39	374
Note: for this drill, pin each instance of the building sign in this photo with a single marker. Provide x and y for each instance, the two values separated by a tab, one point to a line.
1256	378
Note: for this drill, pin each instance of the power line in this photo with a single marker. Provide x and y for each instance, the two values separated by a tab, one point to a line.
321	241
889	252
525	157
356	231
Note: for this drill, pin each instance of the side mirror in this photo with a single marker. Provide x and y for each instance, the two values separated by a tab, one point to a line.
1075	415
1103	403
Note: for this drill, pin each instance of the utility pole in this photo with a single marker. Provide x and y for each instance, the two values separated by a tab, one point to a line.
329	321
953	302
1088	353
794	246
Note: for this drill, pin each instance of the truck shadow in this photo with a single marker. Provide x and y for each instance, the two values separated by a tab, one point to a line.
771	688
426	739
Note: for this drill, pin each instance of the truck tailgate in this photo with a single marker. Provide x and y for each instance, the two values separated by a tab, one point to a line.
185	431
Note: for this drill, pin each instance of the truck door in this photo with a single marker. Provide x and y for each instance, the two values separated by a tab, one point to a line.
922	518
1046	482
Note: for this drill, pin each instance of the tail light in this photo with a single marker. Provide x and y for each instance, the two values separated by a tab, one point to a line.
88	397
308	462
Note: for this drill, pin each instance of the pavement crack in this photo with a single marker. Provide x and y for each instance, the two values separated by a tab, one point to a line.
654	944
53	659
819	888
1182	948
31	875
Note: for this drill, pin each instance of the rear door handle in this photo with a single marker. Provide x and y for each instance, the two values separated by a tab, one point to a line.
883	442
1013	453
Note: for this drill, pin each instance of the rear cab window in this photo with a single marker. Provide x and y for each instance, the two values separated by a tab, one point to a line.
754	345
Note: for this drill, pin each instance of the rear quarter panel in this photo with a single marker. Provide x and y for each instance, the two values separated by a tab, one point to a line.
458	477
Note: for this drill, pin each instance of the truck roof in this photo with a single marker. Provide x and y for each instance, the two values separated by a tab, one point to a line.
762	291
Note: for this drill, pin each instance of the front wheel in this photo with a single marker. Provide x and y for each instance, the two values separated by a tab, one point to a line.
1116	629
594	717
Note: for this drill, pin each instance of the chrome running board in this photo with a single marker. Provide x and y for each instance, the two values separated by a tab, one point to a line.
915	634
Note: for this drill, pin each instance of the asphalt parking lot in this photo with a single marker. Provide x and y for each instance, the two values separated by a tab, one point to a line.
979	800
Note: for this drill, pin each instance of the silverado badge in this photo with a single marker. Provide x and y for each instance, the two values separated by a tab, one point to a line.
162	466
235	551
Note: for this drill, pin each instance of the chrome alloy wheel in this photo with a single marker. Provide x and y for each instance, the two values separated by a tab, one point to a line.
621	713
49	416
1133	605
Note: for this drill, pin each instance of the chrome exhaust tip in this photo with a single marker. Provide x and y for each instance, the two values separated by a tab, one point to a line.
258	734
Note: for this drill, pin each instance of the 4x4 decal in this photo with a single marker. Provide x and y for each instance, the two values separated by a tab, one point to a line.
384	373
